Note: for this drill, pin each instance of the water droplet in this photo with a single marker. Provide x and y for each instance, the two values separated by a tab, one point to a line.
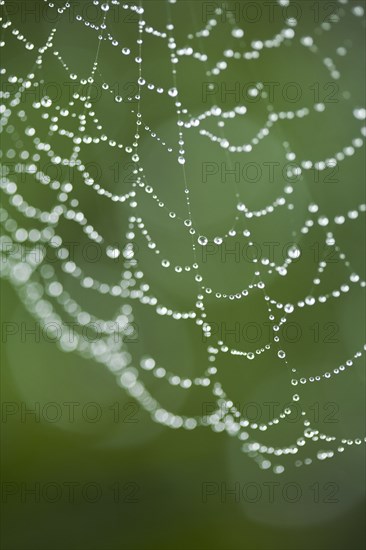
294	252
237	33
147	363
46	102
360	114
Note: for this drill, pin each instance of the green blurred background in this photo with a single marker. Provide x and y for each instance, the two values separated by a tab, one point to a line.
150	480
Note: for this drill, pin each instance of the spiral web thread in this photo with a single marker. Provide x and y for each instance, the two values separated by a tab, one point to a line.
36	281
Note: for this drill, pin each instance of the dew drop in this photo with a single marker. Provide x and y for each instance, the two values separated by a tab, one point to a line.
237	33
294	252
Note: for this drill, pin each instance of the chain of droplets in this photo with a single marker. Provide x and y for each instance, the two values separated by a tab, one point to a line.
306	164
178	269
55	289
258	46
320	165
273	117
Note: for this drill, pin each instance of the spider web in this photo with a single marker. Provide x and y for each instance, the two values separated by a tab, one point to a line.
28	229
